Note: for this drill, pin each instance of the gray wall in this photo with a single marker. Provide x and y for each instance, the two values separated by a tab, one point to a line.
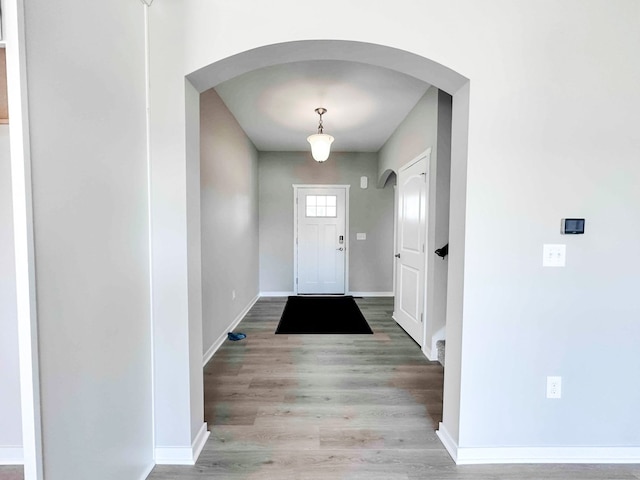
428	125
439	234
416	133
371	212
89	177
229	206
10	425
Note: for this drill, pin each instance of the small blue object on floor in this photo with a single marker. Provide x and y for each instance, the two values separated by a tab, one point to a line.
234	337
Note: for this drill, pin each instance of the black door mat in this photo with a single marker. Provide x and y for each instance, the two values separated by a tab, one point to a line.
318	315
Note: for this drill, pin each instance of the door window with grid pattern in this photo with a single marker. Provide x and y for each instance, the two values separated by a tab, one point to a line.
321	206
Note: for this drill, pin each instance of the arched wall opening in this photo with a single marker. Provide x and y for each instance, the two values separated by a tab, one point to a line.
410	64
387	177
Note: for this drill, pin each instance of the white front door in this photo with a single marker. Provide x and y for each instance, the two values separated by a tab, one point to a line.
321	240
410	247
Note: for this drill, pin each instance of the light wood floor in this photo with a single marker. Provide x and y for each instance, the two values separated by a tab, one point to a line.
11	473
333	407
330	407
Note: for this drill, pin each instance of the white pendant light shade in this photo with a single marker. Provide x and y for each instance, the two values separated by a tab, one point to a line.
320	142
320	146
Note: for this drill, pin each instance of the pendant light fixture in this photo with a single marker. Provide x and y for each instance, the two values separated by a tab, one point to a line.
320	142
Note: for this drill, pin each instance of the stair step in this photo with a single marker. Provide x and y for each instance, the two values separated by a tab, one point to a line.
440	347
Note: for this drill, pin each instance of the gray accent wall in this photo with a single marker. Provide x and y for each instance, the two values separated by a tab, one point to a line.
428	125
439	234
10	424
416	133
229	208
371	212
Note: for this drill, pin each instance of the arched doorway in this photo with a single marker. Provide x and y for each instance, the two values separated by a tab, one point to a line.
423	69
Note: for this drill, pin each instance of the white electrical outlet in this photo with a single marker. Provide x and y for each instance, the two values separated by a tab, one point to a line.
554	387
233	294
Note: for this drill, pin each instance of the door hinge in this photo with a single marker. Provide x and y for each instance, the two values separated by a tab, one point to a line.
296	280
422	318
423	248
296	240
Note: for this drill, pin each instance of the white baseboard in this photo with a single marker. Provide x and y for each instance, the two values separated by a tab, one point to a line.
11	456
447	440
428	352
147	472
199	441
221	339
354	294
371	294
495	455
183	455
482	455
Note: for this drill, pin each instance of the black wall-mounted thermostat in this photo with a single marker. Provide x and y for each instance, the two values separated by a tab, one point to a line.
572	226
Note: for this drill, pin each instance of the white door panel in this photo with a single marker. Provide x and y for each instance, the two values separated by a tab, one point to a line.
321	240
410	294
410	242
410	235
310	271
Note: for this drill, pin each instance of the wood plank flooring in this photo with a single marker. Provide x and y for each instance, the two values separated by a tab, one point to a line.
334	407
330	407
11	472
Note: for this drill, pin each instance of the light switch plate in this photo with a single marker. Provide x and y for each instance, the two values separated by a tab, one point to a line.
364	182
554	255
361	236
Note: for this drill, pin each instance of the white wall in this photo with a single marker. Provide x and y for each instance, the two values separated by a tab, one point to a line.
229	196
452	388
371	212
89	183
10	424
553	89
194	255
553	114
175	224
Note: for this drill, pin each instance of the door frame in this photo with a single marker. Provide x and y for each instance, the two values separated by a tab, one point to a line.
427	155
296	188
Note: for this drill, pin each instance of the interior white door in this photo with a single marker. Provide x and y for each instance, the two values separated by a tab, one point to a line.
321	240
410	245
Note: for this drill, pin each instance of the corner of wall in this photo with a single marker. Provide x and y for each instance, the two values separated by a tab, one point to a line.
183	455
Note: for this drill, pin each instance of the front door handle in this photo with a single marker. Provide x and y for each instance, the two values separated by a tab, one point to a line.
397	255
340	249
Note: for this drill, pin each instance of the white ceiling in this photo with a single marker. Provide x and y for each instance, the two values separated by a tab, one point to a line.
365	104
